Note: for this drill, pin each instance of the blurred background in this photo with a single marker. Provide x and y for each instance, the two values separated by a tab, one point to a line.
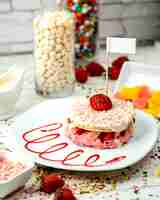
132	18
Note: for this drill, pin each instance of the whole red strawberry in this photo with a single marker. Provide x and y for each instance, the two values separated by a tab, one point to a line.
95	69
81	75
119	61
113	72
100	102
50	183
64	194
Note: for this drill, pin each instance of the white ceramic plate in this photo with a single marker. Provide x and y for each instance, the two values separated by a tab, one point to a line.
39	134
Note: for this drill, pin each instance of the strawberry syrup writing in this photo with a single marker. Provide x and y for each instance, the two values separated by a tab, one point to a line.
45	134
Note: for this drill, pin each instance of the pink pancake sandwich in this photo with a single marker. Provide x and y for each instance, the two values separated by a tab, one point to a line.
101	122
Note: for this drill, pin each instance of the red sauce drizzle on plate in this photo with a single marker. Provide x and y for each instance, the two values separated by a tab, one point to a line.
51	132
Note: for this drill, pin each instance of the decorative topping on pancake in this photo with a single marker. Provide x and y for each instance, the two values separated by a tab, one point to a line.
100	102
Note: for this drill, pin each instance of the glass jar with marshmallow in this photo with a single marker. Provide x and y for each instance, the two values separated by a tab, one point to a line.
54	52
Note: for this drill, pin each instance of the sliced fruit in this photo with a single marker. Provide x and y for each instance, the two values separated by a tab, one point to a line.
106	136
140	103
78	131
145	92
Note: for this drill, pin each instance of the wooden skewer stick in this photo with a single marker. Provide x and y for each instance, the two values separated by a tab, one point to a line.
107	60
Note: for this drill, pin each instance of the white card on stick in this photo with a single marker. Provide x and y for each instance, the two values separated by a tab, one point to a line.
121	45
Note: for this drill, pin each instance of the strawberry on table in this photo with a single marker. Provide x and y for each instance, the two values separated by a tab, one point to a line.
120	61
113	73
64	194
95	69
50	183
100	102
115	69
81	75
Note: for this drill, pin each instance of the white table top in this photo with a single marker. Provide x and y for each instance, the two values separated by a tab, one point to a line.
29	98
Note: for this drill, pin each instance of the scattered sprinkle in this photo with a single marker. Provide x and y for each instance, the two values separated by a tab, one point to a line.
157	171
136	189
114	184
145	173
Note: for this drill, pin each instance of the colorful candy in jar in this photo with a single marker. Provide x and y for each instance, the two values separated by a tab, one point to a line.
86	27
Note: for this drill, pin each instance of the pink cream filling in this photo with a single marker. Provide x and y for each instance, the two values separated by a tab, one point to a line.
102	140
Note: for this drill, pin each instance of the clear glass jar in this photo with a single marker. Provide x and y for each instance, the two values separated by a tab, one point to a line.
86	27
54	53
